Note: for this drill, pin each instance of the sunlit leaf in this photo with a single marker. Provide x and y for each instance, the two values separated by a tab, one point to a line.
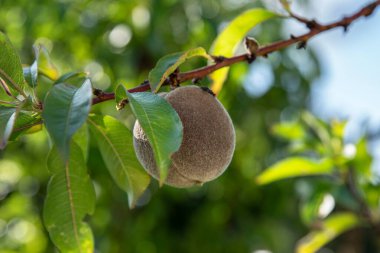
7	120
65	110
10	65
161	125
228	40
330	228
45	65
70	197
115	143
41	65
295	167
289	130
71	77
169	63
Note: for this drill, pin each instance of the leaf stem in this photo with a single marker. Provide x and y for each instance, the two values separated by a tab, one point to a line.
2	72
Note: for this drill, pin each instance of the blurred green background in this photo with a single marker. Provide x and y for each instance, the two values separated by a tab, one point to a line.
119	42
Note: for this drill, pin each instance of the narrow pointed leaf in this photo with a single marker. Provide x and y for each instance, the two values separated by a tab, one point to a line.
169	63
7	120
70	197
161	125
115	143
295	167
332	227
228	40
66	108
10	64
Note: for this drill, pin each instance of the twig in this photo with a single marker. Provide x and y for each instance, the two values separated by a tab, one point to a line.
262	51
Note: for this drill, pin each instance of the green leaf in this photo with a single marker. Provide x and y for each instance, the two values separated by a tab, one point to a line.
330	228
31	74
10	64
65	110
70	197
228	40
26	123
45	65
161	125
82	138
7	121
42	65
71	77
289	130
115	143
295	167
169	63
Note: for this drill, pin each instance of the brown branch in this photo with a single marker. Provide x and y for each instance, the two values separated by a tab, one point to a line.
262	51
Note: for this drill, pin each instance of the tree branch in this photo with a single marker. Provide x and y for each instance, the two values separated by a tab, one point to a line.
262	51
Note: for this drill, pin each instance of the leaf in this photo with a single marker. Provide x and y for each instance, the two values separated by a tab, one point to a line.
70	197
161	125
295	167
31	74
45	65
228	40
332	227
42	65
26	123
7	121
71	77
65	110
169	63
10	64
82	138
289	130
115	143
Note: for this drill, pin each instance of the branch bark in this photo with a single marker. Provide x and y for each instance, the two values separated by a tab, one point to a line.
262	51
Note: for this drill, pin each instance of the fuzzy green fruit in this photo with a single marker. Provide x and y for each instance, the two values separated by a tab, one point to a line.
208	139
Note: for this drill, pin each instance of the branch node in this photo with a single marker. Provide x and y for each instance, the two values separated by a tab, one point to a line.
293	37
312	24
218	59
251	58
302	45
174	80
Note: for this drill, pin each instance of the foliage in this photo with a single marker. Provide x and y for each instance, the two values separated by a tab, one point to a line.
267	192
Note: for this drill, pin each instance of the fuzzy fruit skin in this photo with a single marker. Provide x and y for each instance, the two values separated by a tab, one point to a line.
208	139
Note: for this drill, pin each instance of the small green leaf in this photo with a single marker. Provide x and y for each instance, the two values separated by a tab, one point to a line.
31	74
169	63
330	228
70	197
10	64
161	125
120	97
45	65
115	143
289	130
41	65
65	110
295	167
228	40
7	121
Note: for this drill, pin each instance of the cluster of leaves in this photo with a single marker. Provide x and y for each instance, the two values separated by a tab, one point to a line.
345	193
64	108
